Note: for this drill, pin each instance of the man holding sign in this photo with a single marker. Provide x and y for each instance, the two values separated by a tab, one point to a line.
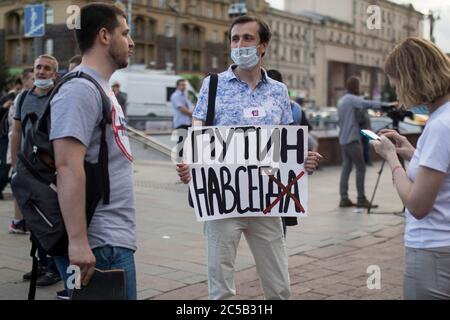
247	99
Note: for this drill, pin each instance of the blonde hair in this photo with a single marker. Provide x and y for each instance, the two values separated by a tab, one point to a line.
50	57
421	71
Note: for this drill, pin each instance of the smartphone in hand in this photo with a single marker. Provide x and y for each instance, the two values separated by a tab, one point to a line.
370	134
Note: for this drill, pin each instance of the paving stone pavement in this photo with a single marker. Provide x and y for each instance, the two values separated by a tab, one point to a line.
329	251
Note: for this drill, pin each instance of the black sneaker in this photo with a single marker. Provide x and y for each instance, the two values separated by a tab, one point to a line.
62	295
346	203
49	278
40	272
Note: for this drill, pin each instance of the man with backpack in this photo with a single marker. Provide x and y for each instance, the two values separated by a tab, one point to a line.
79	132
246	96
33	102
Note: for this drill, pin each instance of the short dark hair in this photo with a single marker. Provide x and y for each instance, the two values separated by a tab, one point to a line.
75	59
353	85
18	82
264	30
275	75
94	17
26	71
180	81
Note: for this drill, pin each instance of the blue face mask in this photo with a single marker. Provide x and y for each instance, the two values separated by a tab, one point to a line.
43	83
245	58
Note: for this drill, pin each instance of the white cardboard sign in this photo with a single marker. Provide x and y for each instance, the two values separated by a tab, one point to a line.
252	171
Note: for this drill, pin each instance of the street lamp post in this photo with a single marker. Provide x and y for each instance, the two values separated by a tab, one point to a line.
433	20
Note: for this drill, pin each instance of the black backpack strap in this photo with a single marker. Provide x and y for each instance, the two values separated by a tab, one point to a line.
212	92
103	160
23	95
34	271
103	153
214	79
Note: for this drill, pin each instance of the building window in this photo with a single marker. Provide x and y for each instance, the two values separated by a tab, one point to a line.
215	62
49	46
18	57
209	12
50	17
162	3
168	30
214	37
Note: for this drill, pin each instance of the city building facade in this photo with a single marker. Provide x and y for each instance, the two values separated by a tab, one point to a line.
316	44
349	42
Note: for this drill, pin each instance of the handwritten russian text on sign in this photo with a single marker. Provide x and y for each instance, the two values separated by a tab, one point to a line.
248	171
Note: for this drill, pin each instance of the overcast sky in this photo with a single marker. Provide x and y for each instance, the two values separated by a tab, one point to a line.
442	28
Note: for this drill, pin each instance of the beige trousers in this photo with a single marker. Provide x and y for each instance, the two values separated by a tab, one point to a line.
265	239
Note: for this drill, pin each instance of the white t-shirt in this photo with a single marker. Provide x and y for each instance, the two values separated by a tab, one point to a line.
433	151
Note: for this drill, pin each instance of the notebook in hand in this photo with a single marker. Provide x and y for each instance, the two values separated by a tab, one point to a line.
104	285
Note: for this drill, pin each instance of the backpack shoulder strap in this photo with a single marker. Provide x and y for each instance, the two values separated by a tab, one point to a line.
213	81
103	153
22	97
212	92
106	103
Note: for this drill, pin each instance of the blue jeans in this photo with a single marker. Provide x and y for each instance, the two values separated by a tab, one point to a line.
107	258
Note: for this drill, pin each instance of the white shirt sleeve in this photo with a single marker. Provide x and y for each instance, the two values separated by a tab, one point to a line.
435	153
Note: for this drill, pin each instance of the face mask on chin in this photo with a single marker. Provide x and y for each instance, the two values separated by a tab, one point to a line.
245	58
43	83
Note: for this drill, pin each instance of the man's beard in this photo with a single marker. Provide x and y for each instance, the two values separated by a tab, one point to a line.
117	59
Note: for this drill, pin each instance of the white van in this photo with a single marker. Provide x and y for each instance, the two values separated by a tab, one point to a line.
149	91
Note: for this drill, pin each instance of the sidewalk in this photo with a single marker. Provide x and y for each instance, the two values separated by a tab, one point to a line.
329	251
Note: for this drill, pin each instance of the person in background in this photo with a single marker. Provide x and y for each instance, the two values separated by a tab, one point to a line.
45	73
363	119
297	116
18	223
120	96
181	106
74	62
5	105
349	138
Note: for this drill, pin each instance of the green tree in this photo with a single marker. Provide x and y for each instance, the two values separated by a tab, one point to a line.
194	80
